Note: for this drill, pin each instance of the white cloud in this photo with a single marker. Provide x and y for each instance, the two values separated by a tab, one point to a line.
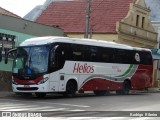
20	7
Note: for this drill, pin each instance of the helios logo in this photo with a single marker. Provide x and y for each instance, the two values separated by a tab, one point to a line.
137	57
79	68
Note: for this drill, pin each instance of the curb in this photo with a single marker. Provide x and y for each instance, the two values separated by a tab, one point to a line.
150	90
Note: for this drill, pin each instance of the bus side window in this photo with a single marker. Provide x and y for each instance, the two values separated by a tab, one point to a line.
106	55
67	52
56	58
145	58
94	54
77	54
60	57
123	56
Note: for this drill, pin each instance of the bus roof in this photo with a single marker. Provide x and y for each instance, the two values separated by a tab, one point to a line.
51	39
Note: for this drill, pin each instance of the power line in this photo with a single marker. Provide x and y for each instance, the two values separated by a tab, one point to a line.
97	6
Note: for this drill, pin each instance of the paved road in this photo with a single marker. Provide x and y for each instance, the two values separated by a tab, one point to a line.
89	106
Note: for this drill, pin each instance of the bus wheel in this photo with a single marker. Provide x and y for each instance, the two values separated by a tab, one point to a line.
119	92
126	87
70	89
40	95
100	92
125	90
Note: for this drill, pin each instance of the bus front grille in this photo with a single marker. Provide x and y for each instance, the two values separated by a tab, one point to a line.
31	88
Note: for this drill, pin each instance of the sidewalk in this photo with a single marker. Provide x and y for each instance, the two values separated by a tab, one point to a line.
156	89
150	90
4	94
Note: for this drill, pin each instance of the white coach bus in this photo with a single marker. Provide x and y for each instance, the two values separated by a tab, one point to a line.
69	65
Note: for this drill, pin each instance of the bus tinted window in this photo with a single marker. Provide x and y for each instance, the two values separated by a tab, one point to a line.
145	57
106	55
142	57
124	56
77	52
84	53
93	54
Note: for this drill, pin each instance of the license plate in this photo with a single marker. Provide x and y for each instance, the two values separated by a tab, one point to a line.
26	86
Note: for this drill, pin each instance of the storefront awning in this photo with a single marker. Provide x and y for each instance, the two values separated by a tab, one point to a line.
156	57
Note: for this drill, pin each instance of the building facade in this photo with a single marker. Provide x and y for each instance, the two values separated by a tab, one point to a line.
122	21
13	31
136	28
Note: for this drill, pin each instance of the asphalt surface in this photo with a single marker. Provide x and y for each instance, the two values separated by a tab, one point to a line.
87	106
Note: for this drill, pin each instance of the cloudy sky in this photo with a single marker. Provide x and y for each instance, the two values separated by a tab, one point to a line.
20	7
155	9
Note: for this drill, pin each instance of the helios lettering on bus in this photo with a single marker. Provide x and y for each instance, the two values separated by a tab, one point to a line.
78	68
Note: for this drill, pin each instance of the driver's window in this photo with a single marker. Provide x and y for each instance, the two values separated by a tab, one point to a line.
19	62
57	58
60	56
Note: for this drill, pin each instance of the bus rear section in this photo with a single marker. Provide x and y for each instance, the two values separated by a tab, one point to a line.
103	69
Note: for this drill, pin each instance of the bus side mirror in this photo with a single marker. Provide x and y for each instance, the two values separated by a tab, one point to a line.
6	55
6	59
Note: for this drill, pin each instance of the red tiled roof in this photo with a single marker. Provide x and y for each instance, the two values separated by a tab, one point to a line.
70	15
6	12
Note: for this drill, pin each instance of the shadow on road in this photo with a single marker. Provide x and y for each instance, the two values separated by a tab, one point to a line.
59	96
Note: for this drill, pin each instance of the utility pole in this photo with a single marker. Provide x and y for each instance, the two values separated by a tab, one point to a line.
91	30
87	18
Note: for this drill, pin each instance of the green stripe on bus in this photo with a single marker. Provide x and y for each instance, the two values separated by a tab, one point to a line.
127	71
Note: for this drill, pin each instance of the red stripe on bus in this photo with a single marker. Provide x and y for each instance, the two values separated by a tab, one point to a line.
140	80
101	84
28	82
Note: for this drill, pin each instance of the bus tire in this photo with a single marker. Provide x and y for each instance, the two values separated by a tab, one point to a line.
126	88
119	92
40	95
100	92
71	89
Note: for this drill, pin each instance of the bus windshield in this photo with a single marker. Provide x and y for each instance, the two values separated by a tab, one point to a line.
31	60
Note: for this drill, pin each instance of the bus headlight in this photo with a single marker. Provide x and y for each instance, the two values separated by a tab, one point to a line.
14	82
43	81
